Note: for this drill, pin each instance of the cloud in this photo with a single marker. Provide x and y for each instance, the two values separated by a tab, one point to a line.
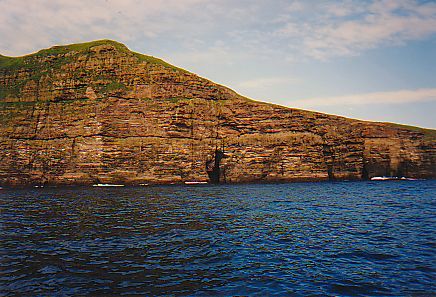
295	6
356	26
310	28
267	82
29	25
390	97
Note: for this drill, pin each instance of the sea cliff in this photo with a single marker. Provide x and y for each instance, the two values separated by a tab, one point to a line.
100	113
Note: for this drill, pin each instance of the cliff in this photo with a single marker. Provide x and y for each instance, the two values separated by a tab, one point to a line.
97	112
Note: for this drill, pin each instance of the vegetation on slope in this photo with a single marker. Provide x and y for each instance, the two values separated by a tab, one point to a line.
428	133
42	63
64	54
28	61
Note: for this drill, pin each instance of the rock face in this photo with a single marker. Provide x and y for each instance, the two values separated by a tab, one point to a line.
99	113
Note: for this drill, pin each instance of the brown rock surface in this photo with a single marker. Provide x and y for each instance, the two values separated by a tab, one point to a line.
96	112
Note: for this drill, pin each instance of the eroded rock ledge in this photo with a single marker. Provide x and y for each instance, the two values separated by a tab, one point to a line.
98	113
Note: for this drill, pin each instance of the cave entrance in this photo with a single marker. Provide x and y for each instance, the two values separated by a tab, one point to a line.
213	167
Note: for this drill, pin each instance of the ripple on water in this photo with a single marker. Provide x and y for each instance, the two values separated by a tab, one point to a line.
304	239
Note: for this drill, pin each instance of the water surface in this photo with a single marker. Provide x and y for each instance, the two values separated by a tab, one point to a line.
301	239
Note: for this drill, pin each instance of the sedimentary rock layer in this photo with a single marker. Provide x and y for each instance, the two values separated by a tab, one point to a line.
99	113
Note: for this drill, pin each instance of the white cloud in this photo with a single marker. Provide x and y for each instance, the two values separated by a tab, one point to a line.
317	29
390	97
26	26
267	82
354	26
295	6
206	57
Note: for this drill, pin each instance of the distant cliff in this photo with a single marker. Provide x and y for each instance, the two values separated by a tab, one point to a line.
99	113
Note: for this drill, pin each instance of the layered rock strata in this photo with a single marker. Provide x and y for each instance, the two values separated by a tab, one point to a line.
99	113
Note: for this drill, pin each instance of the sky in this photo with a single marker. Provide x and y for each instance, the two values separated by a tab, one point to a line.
365	59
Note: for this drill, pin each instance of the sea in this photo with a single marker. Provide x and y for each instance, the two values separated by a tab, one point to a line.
369	238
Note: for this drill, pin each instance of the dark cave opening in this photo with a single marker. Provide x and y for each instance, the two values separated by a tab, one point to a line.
213	167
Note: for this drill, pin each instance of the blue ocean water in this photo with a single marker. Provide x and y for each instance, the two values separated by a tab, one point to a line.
297	239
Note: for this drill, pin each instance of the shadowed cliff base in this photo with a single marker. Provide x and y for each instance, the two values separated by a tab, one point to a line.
83	113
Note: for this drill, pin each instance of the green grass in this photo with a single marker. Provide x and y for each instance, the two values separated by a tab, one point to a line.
428	133
12	90
17	103
153	60
114	86
177	99
56	58
31	60
33	63
81	47
10	62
